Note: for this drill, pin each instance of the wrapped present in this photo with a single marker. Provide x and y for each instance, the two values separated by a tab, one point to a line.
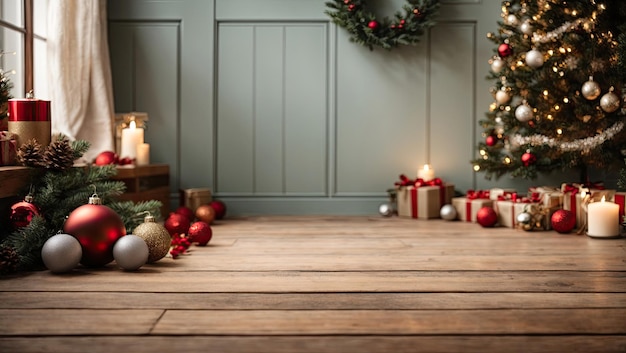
420	199
467	207
508	206
194	198
620	199
576	197
549	196
8	148
498	193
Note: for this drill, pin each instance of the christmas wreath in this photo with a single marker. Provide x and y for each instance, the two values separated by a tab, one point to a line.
403	29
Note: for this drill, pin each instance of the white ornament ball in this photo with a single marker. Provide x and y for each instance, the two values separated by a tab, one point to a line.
61	253
385	210
534	59
130	252
524	113
497	65
512	20
590	89
502	97
526	27
448	212
609	102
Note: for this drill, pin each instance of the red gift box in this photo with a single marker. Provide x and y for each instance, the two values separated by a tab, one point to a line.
420	199
577	196
620	199
467	207
8	148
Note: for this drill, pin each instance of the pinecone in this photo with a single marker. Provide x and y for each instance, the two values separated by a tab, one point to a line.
9	260
30	154
59	155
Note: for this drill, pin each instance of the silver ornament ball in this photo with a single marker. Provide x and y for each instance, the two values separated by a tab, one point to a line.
512	20
61	253
534	59
524	218
526	27
448	213
590	89
609	102
497	65
524	113
130	252
385	210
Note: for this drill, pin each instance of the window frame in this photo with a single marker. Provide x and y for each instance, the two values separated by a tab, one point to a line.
29	38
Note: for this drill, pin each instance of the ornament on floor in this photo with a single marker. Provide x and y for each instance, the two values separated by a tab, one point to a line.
610	101
97	228
130	252
448	212
524	112
385	209
176	223
486	216
187	212
200	233
534	59
497	65
524	221
590	89
563	221
61	253
106	158
528	159
205	213
156	237
23	212
504	50
219	207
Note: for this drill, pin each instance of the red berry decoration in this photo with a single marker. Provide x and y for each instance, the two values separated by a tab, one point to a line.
563	221
200	232
372	25
528	159
504	50
187	212
177	224
491	140
219	207
106	158
487	217
23	212
97	228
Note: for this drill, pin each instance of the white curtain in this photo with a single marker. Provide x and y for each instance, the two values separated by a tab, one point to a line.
79	69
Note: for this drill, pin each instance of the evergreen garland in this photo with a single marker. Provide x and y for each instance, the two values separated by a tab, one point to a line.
57	192
621	182
365	29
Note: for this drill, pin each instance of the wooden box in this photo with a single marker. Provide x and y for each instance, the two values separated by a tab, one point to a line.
144	183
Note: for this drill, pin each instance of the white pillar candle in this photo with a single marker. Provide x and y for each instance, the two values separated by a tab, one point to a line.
603	219
143	154
131	138
426	173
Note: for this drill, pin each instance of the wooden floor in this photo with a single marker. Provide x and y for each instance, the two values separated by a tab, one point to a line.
336	284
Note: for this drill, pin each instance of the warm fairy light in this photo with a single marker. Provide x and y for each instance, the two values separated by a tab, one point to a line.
507	108
485	157
545	92
555	69
559	131
557	107
565	100
569	50
476	167
520	63
493	106
551	52
562	50
561	73
483	152
550	117
507	160
574	13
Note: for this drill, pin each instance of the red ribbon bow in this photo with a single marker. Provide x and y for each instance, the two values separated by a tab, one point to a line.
477	194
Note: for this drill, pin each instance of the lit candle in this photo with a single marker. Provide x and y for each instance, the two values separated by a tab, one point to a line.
426	173
603	219
143	154
131	138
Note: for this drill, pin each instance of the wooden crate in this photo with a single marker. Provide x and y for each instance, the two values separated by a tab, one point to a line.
144	183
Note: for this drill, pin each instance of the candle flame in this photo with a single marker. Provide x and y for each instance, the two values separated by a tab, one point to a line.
132	125
602	199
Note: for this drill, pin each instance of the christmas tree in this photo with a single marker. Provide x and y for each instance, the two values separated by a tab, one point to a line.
559	82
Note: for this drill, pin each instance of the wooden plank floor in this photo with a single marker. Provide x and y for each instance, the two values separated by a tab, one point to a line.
336	284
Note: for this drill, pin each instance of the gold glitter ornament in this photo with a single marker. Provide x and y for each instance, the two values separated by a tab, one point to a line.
156	237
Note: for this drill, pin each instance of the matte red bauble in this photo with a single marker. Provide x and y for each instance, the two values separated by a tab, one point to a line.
186	211
205	213
97	228
491	140
106	158
563	221
487	217
177	224
219	207
528	159
504	50
200	232
23	212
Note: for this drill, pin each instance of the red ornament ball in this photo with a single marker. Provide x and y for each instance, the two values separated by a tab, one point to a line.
97	228
177	224
528	159
372	25
504	50
563	221
487	217
200	232
22	213
219	207
186	211
491	140
205	213
106	158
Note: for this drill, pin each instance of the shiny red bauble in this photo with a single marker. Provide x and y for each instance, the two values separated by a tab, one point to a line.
97	228
504	50
200	232
106	158
491	140
186	211
22	213
219	207
177	224
487	217
528	159
563	221
372	25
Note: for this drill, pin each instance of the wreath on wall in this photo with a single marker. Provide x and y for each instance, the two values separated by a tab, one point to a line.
365	29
